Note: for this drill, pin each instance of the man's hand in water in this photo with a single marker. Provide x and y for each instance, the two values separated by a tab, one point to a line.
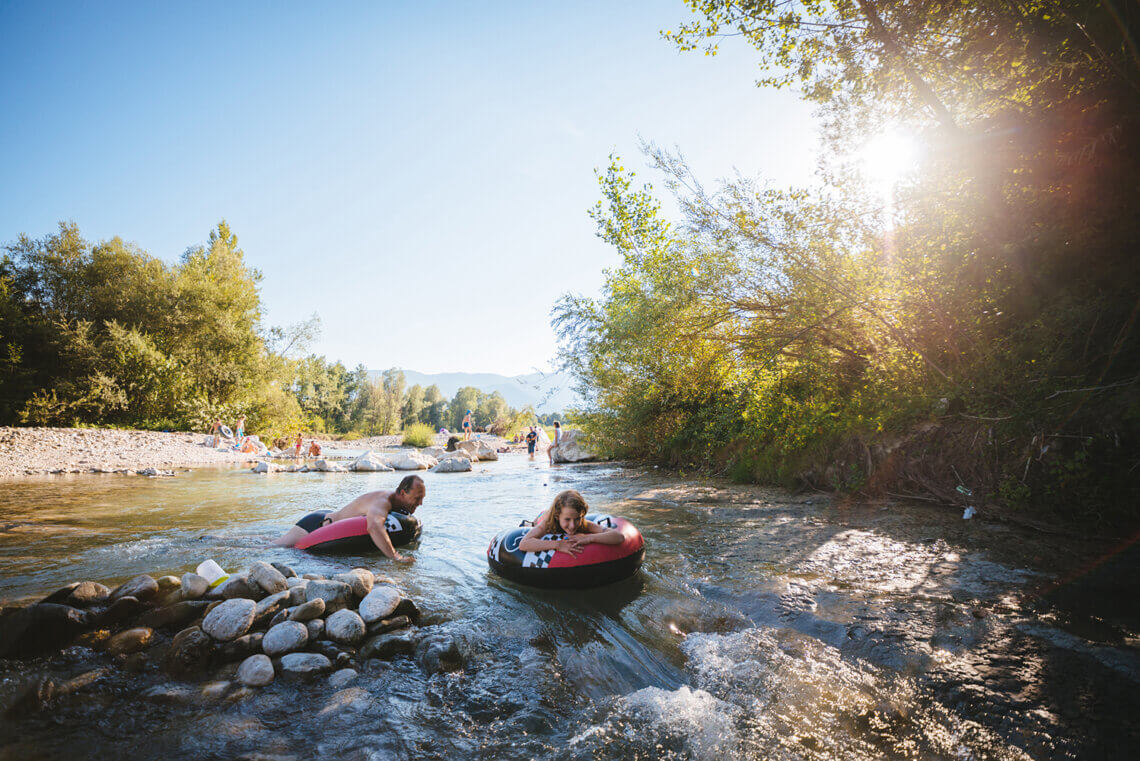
404	558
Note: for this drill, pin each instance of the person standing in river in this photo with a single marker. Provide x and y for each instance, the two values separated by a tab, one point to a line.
557	441
467	426
531	442
374	506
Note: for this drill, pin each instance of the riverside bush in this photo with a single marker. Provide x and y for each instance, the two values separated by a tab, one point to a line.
419	435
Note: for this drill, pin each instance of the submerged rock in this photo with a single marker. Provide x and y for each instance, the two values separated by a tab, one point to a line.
256	671
389	645
190	651
342	678
230	619
130	641
437	653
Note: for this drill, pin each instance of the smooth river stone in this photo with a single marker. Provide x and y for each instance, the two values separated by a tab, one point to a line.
194	586
269	607
230	620
168	583
267	577
80	595
240	586
342	678
316	629
379	603
285	638
130	641
296	596
336	594
175	616
308	611
305	664
190	651
284	570
40	628
141	587
256	671
344	627
360	579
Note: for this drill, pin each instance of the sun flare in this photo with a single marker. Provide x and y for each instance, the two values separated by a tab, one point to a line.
887	158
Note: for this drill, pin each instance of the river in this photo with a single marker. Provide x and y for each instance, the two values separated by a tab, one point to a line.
763	625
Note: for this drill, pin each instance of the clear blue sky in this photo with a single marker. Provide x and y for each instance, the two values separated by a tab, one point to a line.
417	174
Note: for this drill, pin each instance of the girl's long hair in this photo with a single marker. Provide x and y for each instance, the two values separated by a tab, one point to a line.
569	498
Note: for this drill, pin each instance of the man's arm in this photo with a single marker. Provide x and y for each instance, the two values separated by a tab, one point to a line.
375	519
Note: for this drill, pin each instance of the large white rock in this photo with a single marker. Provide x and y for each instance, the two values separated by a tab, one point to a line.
256	671
230	619
463	454
264	467
379	603
370	462
481	449
571	448
286	637
452	465
436	452
345	627
412	460
326	466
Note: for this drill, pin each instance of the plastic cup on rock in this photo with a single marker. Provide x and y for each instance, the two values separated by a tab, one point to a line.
212	572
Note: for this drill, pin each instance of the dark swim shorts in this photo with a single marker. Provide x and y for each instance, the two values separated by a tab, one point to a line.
313	520
530	447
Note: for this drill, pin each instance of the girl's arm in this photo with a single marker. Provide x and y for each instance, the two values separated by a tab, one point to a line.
533	543
595	534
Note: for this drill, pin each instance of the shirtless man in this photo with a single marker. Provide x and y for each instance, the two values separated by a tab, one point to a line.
374	506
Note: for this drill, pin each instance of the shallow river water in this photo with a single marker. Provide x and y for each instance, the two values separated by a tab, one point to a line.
762	626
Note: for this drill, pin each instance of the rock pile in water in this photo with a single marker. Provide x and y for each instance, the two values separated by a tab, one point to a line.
256	627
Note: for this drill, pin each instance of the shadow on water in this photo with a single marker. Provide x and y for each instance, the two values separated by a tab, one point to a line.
761	626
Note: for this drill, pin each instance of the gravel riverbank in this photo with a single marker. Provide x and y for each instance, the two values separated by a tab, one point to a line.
37	451
33	451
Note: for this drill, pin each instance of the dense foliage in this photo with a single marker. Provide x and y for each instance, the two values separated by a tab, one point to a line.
105	334
967	325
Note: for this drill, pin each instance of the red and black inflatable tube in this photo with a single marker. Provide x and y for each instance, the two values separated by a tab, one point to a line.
596	565
351	535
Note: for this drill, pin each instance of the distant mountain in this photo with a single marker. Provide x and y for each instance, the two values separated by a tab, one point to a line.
546	392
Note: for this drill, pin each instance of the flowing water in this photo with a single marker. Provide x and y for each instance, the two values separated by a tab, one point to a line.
762	626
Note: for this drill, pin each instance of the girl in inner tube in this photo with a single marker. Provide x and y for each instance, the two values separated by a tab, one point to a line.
567	515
